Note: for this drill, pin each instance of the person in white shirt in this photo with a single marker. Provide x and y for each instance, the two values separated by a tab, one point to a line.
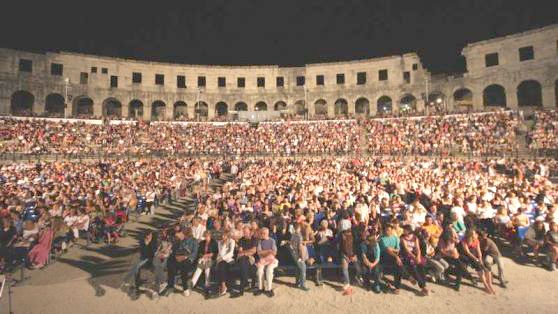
225	257
198	228
458	209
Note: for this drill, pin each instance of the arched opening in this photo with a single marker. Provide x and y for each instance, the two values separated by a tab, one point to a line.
320	107
362	106
494	95
261	106
408	104
299	108
54	105
135	109
241	106
202	110
463	99
158	110
529	93
112	108
180	110
82	107
437	101
280	105
384	105
221	109
22	103
341	107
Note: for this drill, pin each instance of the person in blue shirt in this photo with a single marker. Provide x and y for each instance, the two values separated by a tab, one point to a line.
370	260
389	249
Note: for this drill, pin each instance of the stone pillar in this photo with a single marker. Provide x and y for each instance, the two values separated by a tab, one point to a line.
311	109
5	104
147	107
351	107
373	108
395	103
125	109
169	112
511	97
190	109
330	109
549	96
97	108
211	111
478	102
421	105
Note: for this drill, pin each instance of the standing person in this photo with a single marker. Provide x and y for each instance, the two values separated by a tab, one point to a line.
490	249
148	247
299	253
412	257
266	250
225	257
246	259
389	248
370	260
473	257
348	255
207	253
181	260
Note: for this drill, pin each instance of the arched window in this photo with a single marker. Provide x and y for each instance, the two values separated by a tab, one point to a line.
384	105
529	93
54	105
158	110
261	106
362	106
341	107
494	95
22	103
135	109
221	109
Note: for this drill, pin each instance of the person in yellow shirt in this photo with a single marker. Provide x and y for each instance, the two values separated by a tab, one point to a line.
434	230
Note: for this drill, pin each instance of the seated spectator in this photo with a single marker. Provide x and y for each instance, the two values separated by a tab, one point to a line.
266	250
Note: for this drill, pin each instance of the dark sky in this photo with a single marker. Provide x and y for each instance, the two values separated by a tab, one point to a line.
280	32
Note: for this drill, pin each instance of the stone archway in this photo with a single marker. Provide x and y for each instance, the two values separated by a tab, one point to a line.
22	103
320	107
299	108
362	106
494	96
202	110
82	107
135	109
180	110
158	110
240	106
463	99
280	105
221	109
112	108
408	103
341	107
55	105
529	93
260	106
384	105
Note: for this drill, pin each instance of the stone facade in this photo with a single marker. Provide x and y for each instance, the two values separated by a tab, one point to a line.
105	86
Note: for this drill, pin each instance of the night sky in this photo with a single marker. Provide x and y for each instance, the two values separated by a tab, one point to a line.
280	32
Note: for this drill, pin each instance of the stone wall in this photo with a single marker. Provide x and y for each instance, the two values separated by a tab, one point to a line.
509	74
